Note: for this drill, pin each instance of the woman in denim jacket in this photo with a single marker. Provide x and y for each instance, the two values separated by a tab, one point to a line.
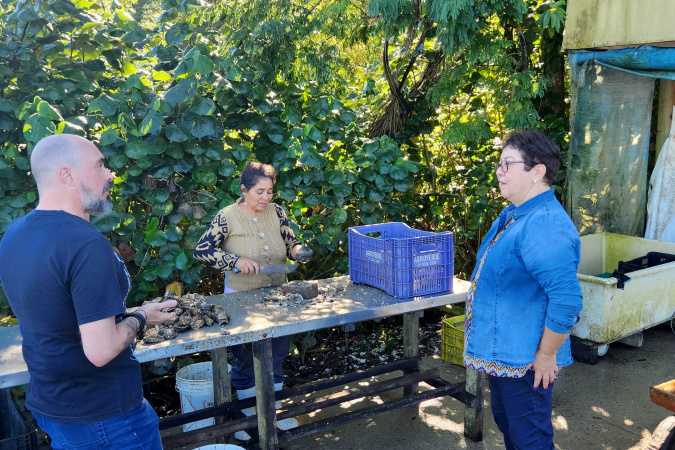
524	296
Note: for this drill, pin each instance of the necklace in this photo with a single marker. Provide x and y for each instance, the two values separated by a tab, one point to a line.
247	209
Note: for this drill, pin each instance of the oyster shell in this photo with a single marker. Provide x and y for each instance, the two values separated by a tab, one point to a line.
167	332
152	336
221	316
192	313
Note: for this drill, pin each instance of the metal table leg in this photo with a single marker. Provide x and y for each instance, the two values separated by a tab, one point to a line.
264	391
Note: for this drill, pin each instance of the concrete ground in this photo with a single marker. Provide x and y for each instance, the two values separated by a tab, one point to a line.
605	406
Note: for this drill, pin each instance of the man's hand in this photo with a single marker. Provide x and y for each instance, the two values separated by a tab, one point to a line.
155	314
104	339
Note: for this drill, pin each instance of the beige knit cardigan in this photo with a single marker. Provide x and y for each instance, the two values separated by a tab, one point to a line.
266	238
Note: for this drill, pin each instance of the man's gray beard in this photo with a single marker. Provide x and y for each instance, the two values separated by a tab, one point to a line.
93	204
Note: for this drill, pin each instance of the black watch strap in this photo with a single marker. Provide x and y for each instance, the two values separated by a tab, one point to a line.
141	323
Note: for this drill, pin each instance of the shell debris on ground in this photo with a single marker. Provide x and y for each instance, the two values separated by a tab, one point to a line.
192	313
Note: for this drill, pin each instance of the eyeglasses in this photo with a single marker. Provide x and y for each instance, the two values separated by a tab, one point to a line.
504	165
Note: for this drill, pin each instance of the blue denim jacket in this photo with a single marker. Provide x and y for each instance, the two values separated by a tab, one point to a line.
528	280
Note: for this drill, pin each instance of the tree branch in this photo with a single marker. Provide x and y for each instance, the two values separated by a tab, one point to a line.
417	7
23	34
393	84
523	50
413	58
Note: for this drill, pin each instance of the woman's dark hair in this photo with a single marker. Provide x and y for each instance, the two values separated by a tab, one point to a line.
536	148
254	171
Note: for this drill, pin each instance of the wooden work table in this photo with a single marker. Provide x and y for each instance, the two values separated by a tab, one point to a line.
254	320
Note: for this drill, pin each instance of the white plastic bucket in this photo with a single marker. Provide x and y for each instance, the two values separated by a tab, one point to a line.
220	447
195	385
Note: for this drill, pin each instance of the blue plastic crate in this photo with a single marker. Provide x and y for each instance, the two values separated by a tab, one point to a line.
401	260
16	433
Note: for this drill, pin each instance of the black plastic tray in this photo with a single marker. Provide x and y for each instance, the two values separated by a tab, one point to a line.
651	259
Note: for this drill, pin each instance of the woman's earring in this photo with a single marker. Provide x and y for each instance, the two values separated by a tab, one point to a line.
534	181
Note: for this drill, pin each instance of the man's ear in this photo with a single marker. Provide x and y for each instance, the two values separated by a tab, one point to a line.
65	176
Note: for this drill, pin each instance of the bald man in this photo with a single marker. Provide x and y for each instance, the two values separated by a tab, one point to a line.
67	286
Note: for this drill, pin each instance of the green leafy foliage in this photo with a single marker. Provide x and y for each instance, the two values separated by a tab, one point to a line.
552	16
488	68
178	105
175	136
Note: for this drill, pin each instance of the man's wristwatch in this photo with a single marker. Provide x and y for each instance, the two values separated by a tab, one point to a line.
141	323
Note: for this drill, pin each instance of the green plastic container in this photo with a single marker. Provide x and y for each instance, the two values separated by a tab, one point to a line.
452	344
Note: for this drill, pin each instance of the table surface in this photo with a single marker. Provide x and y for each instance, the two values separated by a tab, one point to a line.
253	319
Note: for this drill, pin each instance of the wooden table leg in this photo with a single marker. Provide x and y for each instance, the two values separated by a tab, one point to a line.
411	343
221	379
222	392
473	417
264	392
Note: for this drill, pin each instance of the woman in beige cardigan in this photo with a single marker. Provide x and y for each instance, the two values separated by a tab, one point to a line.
245	235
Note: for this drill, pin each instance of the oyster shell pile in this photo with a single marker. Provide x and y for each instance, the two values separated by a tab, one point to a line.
277	298
192	312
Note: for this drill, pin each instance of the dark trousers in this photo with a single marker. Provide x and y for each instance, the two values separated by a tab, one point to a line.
522	413
242	369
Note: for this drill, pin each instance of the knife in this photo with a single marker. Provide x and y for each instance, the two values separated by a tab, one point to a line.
280	268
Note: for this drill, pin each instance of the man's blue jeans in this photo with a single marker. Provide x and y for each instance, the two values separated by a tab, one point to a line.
522	413
137	429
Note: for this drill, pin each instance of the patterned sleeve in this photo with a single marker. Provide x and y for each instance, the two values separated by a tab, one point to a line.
286	232
208	248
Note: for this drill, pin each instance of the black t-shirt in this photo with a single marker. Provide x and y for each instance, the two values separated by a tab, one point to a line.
58	273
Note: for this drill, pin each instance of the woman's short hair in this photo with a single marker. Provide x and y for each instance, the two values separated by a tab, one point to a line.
254	171
536	148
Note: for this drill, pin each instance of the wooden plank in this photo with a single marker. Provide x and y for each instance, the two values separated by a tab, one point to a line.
230	410
473	417
411	343
365	413
264	393
208	433
221	377
252	320
222	392
664	395
665	113
357	392
469	400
